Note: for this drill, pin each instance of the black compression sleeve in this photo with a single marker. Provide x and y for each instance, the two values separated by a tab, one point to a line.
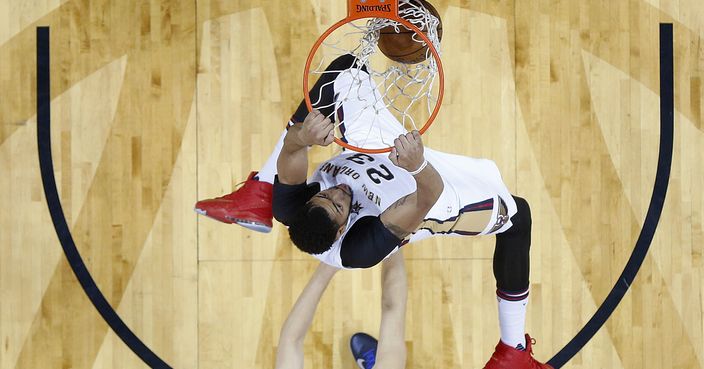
367	243
512	252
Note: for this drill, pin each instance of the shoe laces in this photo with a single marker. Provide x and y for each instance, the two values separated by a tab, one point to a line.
237	188
534	364
369	358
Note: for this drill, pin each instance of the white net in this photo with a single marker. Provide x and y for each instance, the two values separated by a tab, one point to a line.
376	98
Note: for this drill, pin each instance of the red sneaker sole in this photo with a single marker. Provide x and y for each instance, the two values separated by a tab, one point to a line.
205	213
255	226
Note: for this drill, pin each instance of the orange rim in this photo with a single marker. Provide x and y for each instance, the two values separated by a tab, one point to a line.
406	24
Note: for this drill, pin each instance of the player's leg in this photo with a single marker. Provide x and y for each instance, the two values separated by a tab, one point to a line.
362	115
250	205
348	95
512	272
323	94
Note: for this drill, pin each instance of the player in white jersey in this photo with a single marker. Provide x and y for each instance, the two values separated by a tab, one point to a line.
357	209
388	353
450	194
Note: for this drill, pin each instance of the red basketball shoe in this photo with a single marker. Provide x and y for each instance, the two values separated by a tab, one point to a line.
249	206
507	357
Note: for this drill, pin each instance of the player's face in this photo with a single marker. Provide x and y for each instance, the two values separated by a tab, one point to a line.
336	201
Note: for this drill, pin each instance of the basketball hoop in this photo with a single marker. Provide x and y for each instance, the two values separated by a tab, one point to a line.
409	94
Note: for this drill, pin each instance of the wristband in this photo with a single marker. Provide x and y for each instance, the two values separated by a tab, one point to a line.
420	169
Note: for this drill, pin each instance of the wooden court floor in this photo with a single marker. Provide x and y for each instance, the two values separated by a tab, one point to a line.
158	103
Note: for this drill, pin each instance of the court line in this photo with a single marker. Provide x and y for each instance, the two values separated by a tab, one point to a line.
572	348
657	201
312	260
57	214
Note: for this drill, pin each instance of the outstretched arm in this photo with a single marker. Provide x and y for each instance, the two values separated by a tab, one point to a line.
406	214
289	354
292	164
391	352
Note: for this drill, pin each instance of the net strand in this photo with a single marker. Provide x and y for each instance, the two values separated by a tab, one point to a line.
404	87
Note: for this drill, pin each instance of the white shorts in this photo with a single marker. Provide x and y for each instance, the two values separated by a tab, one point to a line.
366	120
368	123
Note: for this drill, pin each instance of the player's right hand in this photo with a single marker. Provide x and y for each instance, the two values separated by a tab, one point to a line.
407	152
317	129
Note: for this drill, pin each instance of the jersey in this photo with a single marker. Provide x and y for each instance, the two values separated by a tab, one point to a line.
375	182
474	200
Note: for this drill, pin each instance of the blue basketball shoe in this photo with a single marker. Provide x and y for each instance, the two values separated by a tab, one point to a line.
363	348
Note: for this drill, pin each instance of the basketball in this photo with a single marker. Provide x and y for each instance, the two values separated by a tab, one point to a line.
404	46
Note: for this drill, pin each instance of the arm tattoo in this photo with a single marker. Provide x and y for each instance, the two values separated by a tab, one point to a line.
397	231
401	201
393	228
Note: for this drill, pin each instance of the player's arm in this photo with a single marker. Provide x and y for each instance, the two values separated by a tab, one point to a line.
289	354
391	352
292	164
406	214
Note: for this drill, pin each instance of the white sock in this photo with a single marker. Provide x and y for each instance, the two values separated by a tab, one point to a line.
268	171
512	318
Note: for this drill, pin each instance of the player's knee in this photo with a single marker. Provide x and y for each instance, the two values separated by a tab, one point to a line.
523	222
